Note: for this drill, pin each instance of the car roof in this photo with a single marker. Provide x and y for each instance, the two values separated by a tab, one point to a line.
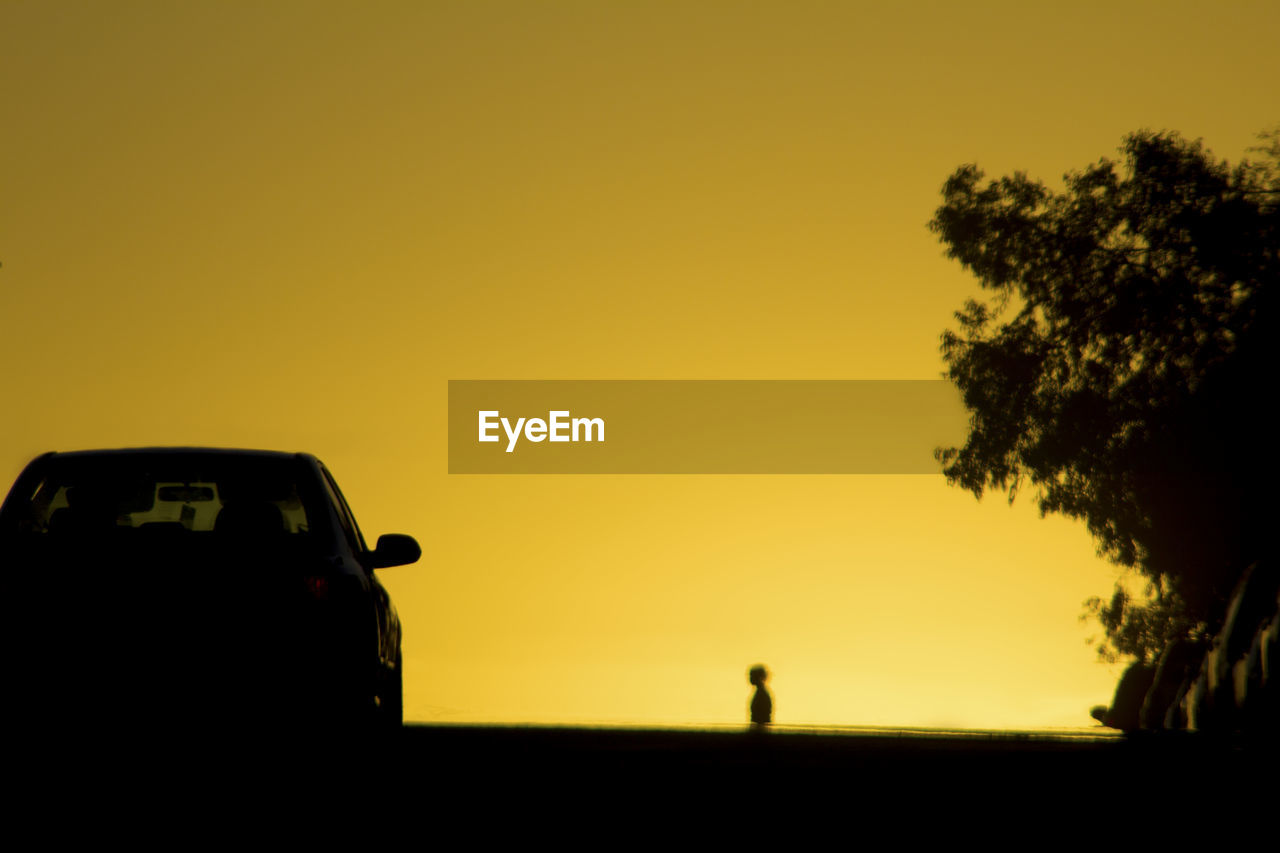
174	451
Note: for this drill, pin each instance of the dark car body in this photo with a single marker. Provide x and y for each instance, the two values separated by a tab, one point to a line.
157	587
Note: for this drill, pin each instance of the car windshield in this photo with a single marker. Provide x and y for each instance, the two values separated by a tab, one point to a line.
200	493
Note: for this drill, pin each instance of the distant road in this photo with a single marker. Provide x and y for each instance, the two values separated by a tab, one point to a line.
732	757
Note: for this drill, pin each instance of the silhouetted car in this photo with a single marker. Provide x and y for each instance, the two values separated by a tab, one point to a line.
173	586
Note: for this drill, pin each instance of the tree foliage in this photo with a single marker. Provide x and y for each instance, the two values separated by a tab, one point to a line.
1122	361
1140	629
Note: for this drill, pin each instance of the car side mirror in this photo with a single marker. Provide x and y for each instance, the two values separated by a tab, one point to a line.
394	549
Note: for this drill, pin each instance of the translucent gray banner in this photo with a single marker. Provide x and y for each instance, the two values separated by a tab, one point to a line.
701	426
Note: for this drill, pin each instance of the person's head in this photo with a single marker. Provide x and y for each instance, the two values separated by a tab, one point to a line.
758	675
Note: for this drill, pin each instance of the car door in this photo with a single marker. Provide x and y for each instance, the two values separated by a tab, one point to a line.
388	626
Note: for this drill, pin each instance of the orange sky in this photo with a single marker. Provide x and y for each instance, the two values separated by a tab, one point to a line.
288	225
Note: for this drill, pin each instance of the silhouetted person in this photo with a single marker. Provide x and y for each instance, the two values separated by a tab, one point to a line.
89	512
761	702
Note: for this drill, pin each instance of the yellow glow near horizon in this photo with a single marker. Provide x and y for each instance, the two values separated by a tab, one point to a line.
288	225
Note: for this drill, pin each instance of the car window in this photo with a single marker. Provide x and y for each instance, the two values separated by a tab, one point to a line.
200	495
345	516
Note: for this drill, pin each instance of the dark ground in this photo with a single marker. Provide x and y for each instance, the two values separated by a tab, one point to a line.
916	784
729	757
498	779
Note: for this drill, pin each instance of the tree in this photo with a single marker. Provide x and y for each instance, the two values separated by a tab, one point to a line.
1122	363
